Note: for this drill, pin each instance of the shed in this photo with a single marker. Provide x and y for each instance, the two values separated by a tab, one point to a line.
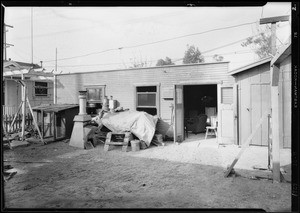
56	121
281	77
174	91
254	100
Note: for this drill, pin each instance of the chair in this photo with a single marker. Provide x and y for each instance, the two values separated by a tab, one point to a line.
196	124
212	130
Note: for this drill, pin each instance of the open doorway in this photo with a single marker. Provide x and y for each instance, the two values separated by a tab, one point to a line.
200	107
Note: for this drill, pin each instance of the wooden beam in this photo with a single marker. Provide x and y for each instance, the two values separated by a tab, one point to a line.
273	39
246	144
274	75
273	19
23	91
275	134
35	123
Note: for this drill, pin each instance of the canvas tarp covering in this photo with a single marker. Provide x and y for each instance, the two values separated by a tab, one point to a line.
141	124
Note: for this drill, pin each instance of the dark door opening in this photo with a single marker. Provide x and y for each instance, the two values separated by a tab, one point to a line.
200	105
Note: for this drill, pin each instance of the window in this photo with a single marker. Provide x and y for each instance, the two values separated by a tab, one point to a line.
41	89
227	95
147	99
95	94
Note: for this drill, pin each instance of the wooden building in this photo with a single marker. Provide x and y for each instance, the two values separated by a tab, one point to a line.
190	89
254	100
281	77
39	85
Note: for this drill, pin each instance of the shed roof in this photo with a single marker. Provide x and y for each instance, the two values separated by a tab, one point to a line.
249	66
54	107
284	52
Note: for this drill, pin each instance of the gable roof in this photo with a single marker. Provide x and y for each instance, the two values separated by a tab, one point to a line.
17	65
33	71
249	66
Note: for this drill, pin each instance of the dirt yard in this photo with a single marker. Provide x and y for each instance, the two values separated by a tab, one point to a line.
173	176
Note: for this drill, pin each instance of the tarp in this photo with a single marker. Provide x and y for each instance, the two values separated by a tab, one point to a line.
141	124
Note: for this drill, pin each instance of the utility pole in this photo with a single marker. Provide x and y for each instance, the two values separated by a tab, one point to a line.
6	45
275	101
273	21
54	79
55	59
32	36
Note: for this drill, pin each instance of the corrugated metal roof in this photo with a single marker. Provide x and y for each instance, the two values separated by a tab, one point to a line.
54	107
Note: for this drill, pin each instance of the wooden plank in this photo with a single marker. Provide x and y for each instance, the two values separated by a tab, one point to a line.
274	19
35	123
256	112
43	128
245	145
275	134
15	116
115	143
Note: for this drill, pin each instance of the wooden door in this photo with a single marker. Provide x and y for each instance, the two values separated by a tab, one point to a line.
179	114
260	95
48	124
226	114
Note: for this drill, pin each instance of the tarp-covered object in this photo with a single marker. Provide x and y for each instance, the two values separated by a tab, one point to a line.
141	124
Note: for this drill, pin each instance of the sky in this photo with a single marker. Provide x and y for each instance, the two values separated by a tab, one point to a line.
107	38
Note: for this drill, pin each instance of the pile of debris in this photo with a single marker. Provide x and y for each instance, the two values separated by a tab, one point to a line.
142	126
8	172
16	135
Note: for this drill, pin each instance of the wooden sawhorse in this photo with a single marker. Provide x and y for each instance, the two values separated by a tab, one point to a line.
126	137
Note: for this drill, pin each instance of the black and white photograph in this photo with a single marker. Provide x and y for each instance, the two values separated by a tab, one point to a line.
155	107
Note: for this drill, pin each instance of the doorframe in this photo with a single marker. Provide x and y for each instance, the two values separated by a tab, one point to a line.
191	83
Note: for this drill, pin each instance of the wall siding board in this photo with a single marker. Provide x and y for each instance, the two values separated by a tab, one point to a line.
285	82
13	95
120	83
253	101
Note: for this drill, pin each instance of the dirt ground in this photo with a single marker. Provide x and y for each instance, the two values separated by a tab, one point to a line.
189	175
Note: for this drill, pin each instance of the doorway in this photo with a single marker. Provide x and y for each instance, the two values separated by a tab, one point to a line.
200	104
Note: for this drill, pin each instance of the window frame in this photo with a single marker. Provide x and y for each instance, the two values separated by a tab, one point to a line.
36	87
102	87
157	98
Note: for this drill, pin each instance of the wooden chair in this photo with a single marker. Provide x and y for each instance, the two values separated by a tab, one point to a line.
212	129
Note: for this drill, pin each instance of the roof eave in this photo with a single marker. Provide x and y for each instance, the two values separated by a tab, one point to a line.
284	52
249	66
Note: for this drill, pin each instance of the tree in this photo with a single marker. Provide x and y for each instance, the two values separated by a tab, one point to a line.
192	55
139	63
162	62
261	44
217	57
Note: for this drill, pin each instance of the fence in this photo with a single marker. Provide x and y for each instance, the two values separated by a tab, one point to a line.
7	120
9	110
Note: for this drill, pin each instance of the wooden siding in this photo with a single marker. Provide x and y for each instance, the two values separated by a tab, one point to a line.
253	100
121	83
285	102
13	94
